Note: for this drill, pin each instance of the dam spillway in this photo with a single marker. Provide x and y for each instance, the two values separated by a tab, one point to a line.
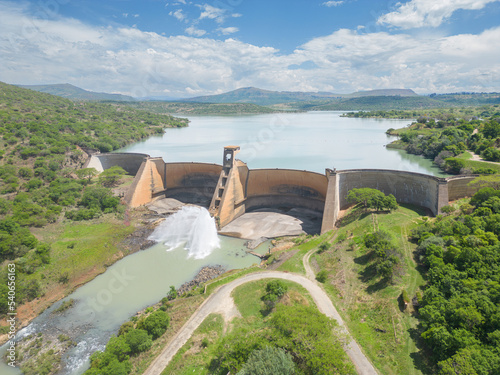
232	189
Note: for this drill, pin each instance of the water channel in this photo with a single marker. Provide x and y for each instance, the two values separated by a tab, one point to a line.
306	141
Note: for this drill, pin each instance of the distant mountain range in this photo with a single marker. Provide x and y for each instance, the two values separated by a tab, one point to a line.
387	99
68	91
265	97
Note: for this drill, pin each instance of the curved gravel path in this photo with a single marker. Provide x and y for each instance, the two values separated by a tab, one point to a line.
222	302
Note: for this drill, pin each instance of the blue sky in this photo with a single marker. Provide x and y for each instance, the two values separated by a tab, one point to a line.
185	48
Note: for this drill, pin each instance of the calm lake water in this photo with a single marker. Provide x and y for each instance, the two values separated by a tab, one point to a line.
306	141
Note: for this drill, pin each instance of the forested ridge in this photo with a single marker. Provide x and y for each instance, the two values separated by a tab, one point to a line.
460	307
446	137
43	138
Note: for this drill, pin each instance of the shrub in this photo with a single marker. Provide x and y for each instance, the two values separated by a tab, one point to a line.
276	287
447	209
205	342
138	340
125	327
269	360
155	324
322	276
323	247
172	293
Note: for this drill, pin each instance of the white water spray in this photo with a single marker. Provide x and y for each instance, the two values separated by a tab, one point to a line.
192	227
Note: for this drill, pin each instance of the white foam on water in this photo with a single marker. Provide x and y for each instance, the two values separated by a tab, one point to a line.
191	227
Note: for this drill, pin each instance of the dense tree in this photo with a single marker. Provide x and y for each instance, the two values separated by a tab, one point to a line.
302	331
138	340
155	324
86	173
387	256
372	198
110	177
460	308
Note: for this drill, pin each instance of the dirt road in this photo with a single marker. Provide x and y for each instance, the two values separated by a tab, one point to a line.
222	302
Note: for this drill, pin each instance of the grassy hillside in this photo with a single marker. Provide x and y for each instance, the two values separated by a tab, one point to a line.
466	113
42	190
445	135
68	91
375	103
212	109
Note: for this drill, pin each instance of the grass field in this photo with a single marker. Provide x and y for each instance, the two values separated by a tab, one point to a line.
370	307
475	164
195	356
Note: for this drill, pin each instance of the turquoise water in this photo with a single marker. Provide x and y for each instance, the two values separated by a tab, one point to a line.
309	141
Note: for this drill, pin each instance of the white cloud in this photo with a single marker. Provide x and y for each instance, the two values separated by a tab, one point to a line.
213	13
138	63
193	31
178	14
420	13
333	3
227	30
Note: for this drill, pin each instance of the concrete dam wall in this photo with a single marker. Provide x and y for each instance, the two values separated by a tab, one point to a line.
131	162
232	189
191	182
285	187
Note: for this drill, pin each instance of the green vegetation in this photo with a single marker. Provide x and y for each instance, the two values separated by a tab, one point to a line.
65	305
446	138
41	184
439	114
374	103
155	324
269	360
68	91
387	257
131	341
372	198
460	308
365	285
292	330
189	108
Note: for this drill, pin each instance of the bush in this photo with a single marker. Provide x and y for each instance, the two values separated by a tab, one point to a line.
447	209
323	247
111	176
125	327
82	214
155	324
277	288
322	276
269	360
372	198
172	293
138	340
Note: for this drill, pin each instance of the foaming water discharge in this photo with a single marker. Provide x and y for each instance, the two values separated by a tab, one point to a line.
192	227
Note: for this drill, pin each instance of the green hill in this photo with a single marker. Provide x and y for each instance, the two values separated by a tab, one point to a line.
42	139
44	190
68	91
267	98
260	97
191	108
374	103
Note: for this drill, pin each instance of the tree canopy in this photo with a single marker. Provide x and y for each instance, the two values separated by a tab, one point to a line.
372	198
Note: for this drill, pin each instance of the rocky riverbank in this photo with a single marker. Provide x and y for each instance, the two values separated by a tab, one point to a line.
205	274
